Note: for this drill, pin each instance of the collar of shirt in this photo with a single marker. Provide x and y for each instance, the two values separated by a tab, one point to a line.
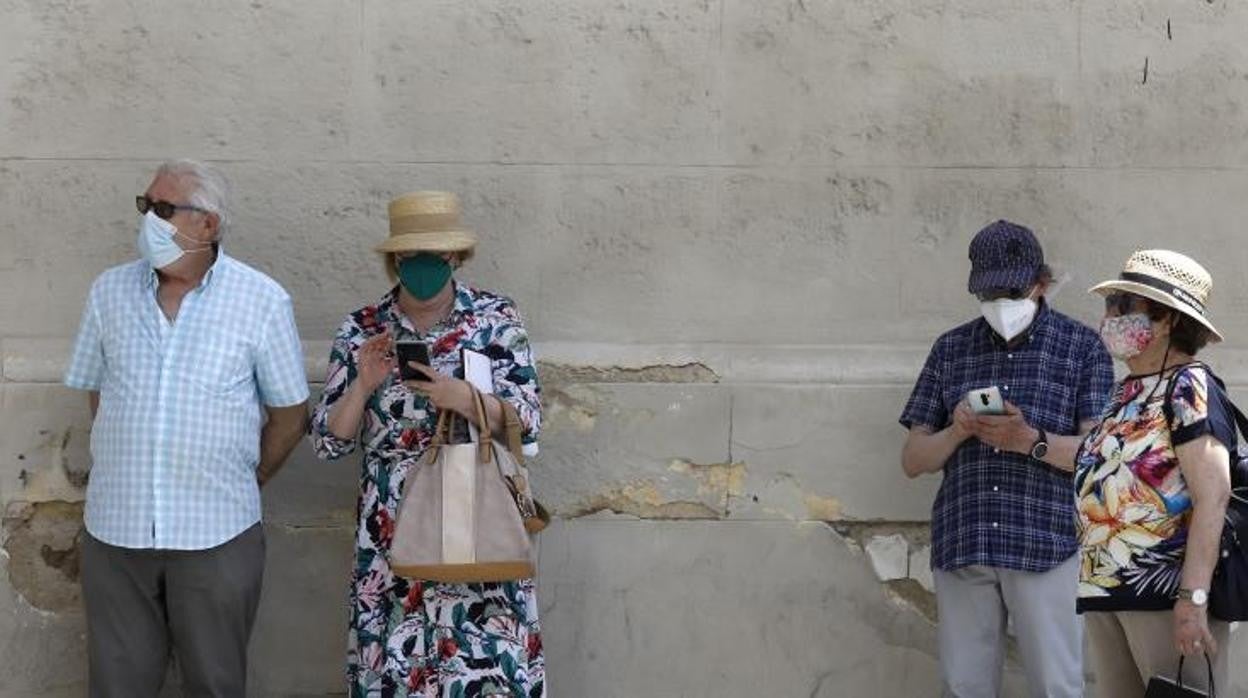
392	315
151	279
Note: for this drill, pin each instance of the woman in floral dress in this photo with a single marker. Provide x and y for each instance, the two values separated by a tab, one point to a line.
410	637
1152	482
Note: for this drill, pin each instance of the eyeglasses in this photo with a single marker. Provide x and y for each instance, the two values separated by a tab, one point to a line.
162	209
997	294
1121	303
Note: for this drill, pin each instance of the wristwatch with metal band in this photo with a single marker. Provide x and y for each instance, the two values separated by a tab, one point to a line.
1198	597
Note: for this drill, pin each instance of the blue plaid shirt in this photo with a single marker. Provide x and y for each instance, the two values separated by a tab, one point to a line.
1006	509
176	439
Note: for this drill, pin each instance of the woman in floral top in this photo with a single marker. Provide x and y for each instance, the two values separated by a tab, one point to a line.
1152	482
410	637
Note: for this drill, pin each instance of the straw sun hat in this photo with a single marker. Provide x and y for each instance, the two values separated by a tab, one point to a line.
426	221
1169	278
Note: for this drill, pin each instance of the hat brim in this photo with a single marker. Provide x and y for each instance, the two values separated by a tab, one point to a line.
1106	287
441	241
994	279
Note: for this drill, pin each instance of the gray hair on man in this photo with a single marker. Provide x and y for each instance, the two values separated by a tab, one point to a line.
211	191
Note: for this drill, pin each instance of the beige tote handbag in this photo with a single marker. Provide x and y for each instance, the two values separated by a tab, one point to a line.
467	511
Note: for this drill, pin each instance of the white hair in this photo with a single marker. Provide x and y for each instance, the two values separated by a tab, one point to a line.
211	191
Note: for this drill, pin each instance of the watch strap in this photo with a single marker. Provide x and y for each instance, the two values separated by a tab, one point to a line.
1042	439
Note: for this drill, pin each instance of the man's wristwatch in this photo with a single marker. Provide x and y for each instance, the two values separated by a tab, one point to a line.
1198	597
1040	448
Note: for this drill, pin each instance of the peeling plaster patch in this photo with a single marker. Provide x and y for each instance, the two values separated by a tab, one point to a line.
560	406
54	482
656	373
921	567
727	479
643	500
43	544
900	556
890	557
822	508
910	594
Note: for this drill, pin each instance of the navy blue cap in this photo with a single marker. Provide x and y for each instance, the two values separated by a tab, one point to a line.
1004	255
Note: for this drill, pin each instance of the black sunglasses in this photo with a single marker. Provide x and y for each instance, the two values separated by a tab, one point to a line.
997	294
1121	303
162	209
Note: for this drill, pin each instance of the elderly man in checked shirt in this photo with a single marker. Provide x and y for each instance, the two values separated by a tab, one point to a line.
195	377
1003	523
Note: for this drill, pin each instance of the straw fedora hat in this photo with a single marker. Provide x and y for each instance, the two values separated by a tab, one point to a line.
427	221
1169	278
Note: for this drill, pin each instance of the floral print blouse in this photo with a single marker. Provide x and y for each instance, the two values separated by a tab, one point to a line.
1133	506
408	637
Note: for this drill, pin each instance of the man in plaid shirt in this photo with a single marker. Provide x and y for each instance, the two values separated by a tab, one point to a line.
1003	526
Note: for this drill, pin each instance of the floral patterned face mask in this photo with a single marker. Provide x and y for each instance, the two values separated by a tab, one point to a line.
1127	336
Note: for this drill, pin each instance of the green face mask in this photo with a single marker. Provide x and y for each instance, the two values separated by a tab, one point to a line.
423	275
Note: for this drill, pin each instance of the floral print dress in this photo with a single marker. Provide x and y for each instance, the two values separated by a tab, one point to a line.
1133	505
418	638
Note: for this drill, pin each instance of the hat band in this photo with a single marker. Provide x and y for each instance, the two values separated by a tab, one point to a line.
424	223
1165	287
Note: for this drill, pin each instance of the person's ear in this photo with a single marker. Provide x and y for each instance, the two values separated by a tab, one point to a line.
212	226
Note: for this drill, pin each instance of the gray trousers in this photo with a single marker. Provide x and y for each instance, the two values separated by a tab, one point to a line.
144	604
974	604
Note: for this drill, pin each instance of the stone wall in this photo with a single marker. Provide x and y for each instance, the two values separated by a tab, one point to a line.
734	228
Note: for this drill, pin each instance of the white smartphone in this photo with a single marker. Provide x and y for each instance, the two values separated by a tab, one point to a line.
986	401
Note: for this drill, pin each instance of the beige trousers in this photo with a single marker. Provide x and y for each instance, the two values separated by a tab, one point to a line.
1130	647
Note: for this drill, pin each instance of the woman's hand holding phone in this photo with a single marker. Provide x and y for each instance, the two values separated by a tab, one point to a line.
445	392
375	362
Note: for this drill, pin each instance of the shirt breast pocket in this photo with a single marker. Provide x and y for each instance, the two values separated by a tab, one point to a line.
223	368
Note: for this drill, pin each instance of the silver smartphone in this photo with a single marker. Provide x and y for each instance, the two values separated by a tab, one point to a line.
986	401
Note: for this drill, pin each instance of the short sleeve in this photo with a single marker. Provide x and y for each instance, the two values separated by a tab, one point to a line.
926	406
1096	382
280	374
1199	407
87	363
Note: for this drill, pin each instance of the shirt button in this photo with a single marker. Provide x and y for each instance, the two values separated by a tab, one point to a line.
1009	356
996	450
995	524
995	488
1007	387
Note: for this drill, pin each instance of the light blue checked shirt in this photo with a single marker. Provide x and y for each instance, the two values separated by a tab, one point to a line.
176	440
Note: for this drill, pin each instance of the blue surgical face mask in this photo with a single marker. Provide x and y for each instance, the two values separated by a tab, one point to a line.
156	242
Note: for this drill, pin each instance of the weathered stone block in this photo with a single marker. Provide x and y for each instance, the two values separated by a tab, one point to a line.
647	450
824	453
889	556
754	608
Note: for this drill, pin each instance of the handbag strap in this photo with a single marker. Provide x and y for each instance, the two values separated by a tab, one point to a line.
1208	665
441	432
485	442
511	421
